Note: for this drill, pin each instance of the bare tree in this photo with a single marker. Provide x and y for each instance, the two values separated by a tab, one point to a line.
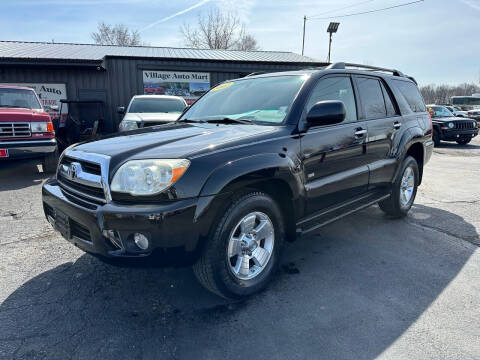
118	34
442	94
218	30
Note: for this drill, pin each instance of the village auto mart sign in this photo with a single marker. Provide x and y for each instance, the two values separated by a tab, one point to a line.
189	85
49	94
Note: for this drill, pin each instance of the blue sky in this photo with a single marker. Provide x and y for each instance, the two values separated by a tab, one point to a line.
436	41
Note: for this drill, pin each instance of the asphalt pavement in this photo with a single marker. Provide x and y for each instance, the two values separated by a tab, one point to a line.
365	287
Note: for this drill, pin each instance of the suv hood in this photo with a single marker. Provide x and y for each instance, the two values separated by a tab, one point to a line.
448	119
151	117
176	140
22	115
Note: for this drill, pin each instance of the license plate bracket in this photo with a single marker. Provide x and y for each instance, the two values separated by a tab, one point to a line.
62	224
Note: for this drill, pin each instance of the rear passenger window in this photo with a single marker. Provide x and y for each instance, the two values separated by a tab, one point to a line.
391	111
335	88
372	98
411	94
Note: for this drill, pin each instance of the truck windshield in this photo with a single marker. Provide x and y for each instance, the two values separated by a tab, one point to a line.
18	98
156	105
262	100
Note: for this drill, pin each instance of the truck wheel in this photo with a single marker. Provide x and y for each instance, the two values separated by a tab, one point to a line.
50	162
436	138
243	251
463	141
403	190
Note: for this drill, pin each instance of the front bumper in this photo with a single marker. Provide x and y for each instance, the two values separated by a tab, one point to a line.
453	135
167	225
26	149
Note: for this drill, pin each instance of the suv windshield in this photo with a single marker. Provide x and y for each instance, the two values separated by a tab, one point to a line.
18	98
156	105
440	111
266	99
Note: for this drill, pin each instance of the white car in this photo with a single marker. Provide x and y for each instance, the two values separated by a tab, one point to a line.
149	110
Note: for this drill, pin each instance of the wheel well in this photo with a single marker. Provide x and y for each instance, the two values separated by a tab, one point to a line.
279	191
416	151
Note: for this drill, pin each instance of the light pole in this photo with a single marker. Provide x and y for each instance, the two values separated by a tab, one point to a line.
303	41
332	28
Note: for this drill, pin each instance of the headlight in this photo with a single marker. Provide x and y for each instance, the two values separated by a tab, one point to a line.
148	177
41	127
451	125
126	125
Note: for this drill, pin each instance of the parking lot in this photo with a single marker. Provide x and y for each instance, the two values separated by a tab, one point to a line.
364	287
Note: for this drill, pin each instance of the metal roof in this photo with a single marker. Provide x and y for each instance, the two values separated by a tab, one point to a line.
90	52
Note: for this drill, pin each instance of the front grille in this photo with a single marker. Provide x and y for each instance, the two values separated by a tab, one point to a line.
14	130
87	166
85	187
464	125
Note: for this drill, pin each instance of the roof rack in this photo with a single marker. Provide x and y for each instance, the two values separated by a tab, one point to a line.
342	65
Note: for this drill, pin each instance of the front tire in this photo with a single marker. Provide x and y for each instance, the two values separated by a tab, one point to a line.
404	190
463	141
243	251
50	162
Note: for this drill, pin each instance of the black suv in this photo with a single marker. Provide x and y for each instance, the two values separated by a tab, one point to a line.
448	127
254	162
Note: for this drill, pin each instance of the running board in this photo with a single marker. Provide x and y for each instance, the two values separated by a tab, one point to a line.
316	221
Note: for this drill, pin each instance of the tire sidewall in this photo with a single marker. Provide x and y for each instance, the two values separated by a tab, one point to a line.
225	279
408	162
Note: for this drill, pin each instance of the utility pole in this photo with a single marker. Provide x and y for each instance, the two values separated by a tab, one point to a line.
303	41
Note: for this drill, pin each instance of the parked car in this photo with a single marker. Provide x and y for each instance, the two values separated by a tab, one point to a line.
253	163
448	127
456	111
26	130
149	110
474	114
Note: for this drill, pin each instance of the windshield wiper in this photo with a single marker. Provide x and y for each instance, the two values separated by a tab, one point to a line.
227	120
191	121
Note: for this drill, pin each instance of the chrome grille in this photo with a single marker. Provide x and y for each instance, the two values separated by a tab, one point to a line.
14	130
80	176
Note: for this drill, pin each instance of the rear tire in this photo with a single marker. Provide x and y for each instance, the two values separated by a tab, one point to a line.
404	190
231	268
50	162
463	141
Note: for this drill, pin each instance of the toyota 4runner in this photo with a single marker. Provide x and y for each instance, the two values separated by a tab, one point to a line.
253	163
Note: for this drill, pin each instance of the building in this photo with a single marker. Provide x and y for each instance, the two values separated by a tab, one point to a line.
113	74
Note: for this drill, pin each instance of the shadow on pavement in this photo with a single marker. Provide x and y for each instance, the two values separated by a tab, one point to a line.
454	145
347	294
20	174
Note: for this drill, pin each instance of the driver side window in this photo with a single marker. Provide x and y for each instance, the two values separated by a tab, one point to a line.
335	88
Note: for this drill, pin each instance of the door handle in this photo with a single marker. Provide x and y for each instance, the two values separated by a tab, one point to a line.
360	132
396	125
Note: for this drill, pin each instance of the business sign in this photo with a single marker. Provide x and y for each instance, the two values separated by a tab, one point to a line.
49	94
189	85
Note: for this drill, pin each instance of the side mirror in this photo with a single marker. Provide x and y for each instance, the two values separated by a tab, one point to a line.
121	110
326	112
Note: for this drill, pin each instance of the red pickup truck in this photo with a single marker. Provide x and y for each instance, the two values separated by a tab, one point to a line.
26	130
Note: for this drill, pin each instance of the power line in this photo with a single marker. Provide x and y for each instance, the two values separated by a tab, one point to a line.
366	12
342	8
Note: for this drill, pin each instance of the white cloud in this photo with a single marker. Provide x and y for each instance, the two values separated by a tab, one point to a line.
474	4
184	11
240	8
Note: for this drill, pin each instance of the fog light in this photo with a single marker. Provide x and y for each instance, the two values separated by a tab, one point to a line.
141	241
